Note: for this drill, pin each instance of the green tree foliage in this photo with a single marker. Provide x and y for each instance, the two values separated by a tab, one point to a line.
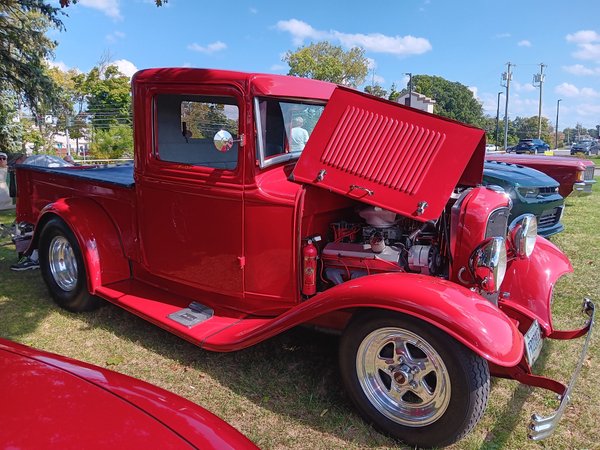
324	61
108	97
112	143
24	47
376	90
394	93
453	99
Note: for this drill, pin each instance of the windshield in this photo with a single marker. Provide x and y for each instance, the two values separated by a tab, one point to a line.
284	127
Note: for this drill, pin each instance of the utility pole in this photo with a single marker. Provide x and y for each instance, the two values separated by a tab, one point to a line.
506	77
409	88
497	121
538	81
556	132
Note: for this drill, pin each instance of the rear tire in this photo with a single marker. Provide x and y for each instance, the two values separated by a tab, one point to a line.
411	380
63	268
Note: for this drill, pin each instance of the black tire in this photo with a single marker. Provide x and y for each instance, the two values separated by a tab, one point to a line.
456	380
67	287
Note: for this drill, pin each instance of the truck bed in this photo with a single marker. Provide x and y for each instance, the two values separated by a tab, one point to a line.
121	175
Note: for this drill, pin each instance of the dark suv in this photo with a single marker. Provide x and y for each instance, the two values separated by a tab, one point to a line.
585	147
531	146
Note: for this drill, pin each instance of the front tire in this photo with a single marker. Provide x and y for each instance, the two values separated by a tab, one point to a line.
412	381
63	268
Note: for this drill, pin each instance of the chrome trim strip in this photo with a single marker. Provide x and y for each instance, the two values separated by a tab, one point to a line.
542	427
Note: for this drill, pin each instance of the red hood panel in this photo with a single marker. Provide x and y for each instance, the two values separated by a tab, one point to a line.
390	156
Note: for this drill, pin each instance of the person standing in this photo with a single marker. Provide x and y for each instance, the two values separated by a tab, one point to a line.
299	135
5	200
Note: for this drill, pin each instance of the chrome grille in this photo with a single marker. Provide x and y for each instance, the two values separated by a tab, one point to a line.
549	217
497	223
589	173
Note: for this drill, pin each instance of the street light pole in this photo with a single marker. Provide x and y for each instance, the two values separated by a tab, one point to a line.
556	131
497	121
506	76
409	88
538	81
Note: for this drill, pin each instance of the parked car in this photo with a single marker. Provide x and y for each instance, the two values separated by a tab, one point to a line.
491	148
531	191
50	401
573	174
530	146
586	147
379	230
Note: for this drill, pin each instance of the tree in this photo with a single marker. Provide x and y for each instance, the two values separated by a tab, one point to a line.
453	99
24	48
376	90
108	97
324	61
112	143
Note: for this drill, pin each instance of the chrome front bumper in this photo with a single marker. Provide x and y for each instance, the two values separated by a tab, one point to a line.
542	427
583	187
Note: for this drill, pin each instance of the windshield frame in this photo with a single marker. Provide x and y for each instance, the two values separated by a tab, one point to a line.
263	161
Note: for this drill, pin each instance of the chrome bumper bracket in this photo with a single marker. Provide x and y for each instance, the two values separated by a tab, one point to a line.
542	427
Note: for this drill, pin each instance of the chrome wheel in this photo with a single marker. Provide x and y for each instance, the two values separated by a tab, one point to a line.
403	377
62	263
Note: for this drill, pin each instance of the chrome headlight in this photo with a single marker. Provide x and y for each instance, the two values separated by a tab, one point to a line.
523	234
488	264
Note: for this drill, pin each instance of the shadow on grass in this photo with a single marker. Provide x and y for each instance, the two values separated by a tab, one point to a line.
509	418
24	300
294	374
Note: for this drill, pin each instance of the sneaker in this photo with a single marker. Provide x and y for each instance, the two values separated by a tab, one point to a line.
25	263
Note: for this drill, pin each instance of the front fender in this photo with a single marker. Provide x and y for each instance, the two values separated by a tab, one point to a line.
98	239
461	313
530	282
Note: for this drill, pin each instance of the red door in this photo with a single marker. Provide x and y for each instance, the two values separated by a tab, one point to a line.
191	194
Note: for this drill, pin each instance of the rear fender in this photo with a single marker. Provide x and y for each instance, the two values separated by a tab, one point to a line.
98	239
529	283
459	312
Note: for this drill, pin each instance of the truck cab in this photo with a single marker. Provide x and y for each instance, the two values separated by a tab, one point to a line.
261	202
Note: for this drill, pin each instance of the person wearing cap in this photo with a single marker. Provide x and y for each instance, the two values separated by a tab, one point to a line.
299	135
5	200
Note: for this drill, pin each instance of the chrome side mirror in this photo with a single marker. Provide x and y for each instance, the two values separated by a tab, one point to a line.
223	141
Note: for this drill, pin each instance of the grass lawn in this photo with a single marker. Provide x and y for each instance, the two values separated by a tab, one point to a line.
286	393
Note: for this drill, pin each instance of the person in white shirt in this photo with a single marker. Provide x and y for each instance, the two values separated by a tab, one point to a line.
299	135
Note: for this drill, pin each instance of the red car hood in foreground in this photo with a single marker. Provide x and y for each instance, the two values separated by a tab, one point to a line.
49	401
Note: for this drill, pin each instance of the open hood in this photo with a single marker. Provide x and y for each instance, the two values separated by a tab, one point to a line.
389	155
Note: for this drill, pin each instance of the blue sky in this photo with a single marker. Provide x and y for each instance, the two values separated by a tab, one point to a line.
465	41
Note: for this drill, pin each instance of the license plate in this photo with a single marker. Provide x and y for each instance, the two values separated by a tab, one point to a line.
533	342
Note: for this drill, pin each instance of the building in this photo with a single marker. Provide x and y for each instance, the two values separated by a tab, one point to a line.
418	101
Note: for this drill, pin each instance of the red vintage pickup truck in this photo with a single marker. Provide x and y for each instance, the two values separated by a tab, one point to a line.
231	228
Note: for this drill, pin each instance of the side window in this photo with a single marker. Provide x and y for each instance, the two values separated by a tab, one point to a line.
186	126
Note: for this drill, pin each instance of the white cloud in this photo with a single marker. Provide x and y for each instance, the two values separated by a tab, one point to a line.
570	90
186	64
58	65
374	42
208	49
503	35
126	67
378	79
474	90
253	10
579	69
115	36
583	37
371	64
524	43
527	87
108	7
300	31
567	90
277	68
588	44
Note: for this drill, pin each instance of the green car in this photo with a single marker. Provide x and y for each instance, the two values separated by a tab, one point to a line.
531	192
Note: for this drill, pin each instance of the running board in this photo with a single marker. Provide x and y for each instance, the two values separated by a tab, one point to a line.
193	315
